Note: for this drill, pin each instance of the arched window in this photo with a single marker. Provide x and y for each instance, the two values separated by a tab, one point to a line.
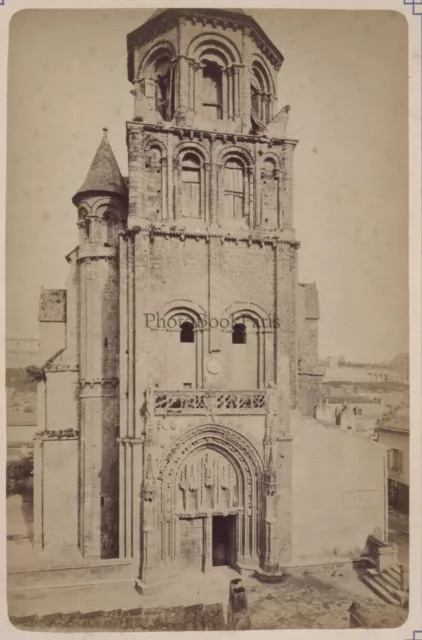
191	186
239	334
234	190
186	332
261	96
255	101
212	97
164	88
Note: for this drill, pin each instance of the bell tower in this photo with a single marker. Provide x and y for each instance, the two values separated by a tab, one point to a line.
210	236
101	204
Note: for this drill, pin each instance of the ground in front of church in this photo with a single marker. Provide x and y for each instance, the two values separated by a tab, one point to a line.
318	601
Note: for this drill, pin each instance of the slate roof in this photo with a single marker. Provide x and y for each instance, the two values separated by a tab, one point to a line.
104	173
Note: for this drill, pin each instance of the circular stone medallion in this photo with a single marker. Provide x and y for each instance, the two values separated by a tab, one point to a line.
214	366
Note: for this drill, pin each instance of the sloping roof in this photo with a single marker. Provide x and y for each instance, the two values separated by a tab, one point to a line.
311	300
52	305
394	423
104	173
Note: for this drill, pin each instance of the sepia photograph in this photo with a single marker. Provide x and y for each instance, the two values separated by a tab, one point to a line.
207	319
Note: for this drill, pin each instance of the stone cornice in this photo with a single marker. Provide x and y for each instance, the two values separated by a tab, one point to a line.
136	127
64	434
131	440
55	368
216	18
316	372
96	253
248	237
129	234
102	382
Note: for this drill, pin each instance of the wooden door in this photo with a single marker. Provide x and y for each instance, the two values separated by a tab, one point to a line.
191	546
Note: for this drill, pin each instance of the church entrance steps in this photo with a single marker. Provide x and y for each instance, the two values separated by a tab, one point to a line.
388	576
386	584
305	602
336	565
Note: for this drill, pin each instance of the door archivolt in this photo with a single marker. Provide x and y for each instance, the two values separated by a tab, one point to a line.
211	470
215	465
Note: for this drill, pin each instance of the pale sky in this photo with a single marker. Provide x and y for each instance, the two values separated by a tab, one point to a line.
345	77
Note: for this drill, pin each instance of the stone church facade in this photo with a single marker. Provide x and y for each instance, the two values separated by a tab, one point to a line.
184	348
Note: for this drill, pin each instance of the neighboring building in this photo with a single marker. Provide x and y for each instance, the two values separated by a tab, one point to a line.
393	433
21	352
337	370
21	408
367	389
183	345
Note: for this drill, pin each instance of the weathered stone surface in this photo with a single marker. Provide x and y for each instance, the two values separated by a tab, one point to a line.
179	243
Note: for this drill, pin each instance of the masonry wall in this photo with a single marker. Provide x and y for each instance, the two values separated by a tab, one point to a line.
61	400
335	510
309	392
56	487
99	409
214	279
53	338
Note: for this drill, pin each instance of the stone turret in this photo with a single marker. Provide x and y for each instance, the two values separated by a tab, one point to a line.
102	211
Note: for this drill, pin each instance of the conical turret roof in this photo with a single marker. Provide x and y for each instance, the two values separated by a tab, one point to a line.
104	173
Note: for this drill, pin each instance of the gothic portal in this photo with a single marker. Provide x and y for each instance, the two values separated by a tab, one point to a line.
184	341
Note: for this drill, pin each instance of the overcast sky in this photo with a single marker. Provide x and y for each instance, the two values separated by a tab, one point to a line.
345	77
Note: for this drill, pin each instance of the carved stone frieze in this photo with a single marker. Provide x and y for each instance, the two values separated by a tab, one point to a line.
102	382
210	435
208	402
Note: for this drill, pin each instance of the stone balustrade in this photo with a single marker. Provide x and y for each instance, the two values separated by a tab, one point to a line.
203	401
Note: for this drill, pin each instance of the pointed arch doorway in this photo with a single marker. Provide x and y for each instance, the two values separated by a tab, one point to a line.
209	505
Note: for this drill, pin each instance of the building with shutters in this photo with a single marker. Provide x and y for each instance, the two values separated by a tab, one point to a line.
393	433
183	354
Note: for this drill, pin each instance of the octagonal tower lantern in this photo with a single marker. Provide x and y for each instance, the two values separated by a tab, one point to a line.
211	69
